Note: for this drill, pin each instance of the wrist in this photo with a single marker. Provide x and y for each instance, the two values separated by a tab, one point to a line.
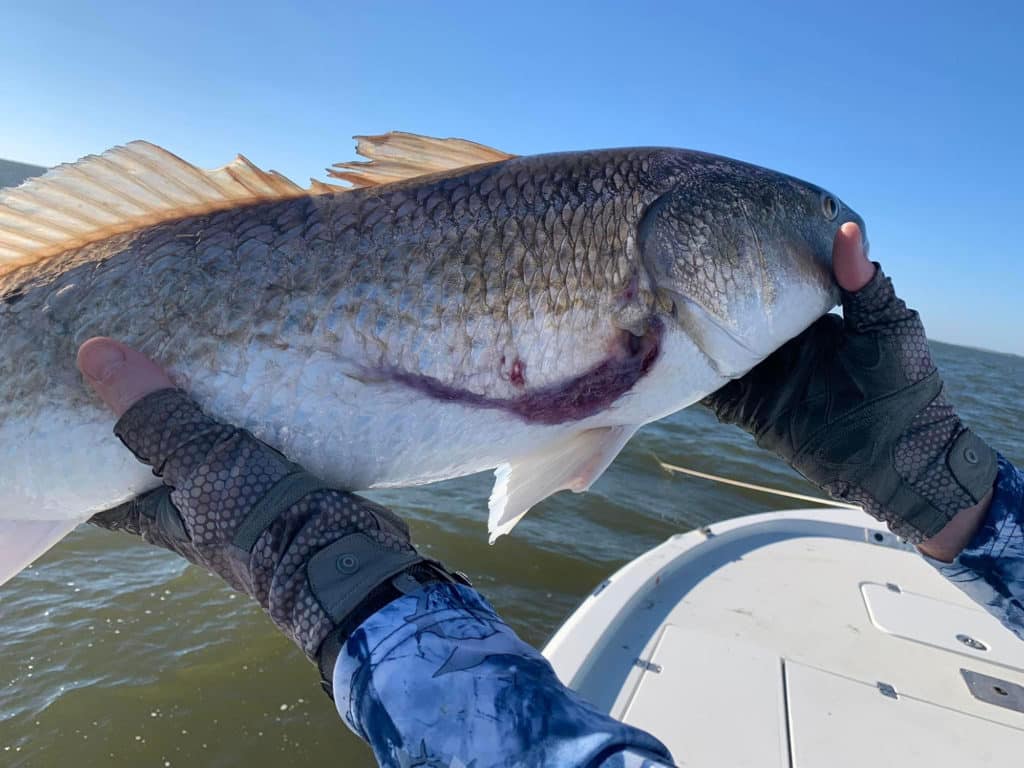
420	574
951	540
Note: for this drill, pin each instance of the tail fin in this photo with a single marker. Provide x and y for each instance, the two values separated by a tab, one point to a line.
22	541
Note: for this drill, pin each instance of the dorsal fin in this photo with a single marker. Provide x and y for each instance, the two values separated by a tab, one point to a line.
141	184
125	188
396	156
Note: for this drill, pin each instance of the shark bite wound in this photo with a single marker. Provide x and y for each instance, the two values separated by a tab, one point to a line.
591	392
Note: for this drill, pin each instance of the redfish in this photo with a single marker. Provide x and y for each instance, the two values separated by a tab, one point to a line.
453	309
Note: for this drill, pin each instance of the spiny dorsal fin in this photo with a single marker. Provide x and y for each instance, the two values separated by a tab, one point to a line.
140	184
396	156
125	188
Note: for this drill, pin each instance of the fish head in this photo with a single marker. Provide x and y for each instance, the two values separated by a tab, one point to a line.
741	256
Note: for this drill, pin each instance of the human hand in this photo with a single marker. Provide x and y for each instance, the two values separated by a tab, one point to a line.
120	375
318	560
856	405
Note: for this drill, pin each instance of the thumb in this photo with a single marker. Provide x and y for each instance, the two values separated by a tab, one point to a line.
849	259
870	303
120	375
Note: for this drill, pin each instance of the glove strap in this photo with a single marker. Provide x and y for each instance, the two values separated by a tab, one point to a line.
357	607
973	464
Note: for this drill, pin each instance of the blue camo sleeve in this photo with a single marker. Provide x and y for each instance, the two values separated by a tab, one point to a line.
991	568
631	759
436	678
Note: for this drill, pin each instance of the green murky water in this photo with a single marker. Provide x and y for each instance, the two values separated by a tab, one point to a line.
112	652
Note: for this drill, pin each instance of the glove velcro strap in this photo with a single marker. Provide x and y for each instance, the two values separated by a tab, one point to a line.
974	464
328	580
343	573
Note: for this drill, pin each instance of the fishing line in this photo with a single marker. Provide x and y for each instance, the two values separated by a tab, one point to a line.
752	487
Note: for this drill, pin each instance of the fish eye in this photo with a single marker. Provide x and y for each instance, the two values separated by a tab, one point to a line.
829	206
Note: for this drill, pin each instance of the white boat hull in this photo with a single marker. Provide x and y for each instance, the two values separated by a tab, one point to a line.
805	638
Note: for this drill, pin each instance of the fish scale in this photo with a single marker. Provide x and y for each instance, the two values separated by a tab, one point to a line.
527	314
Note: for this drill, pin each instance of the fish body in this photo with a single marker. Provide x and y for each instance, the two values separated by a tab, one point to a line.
526	314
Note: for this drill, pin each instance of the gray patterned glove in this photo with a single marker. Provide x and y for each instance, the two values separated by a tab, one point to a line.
856	405
318	560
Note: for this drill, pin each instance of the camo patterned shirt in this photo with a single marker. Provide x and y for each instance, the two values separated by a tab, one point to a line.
436	679
991	568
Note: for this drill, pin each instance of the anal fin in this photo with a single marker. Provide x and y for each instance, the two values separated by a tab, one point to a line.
572	464
22	541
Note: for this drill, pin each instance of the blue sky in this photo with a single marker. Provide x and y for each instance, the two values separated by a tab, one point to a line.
913	113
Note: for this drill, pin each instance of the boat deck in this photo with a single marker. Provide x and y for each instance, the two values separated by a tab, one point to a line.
803	638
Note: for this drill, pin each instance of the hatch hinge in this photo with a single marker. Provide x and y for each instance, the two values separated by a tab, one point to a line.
647	666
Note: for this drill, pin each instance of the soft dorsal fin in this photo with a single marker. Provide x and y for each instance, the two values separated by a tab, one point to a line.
396	156
141	184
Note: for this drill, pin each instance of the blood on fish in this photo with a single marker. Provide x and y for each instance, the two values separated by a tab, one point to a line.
572	400
630	291
517	376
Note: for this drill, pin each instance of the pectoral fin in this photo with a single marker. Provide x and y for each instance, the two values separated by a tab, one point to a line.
22	541
572	464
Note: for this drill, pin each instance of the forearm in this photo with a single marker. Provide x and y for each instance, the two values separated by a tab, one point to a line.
426	668
437	674
990	568
951	540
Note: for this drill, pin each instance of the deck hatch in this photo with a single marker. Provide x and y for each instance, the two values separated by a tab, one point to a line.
966	631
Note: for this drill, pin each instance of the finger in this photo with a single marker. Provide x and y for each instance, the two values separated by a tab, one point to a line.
120	375
849	260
